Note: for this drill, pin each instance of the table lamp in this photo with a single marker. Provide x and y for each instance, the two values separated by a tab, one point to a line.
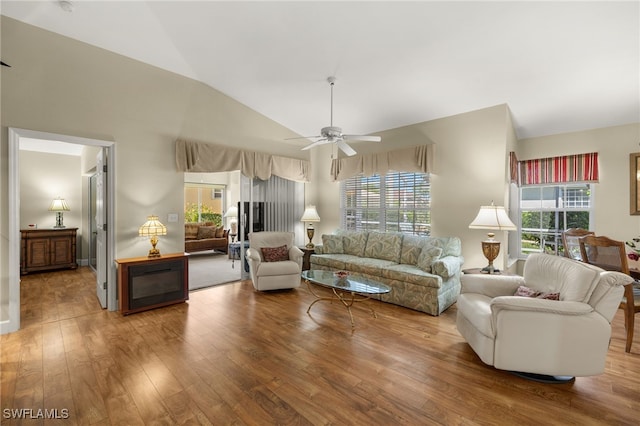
310	216
494	218
232	214
59	205
152	228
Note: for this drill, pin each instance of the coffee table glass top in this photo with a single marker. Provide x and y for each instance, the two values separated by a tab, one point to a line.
348	284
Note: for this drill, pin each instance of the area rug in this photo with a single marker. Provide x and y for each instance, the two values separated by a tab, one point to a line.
210	268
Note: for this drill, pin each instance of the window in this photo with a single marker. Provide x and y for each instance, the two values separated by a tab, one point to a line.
547	210
399	202
203	203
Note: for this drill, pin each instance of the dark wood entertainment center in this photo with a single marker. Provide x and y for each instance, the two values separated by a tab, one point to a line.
146	283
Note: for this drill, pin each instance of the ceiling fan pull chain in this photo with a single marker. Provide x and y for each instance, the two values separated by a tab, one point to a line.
331	80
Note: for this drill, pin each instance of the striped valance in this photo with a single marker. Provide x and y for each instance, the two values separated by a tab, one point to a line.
567	168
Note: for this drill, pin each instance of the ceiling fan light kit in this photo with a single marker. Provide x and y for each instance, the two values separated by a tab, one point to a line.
333	134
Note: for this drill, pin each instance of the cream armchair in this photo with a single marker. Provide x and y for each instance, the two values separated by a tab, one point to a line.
542	337
274	261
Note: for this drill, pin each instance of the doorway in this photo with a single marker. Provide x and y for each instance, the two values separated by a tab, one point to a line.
12	323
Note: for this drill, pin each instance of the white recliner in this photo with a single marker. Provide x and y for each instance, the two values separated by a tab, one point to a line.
566	337
267	274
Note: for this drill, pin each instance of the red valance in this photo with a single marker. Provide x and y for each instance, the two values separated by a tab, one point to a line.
564	169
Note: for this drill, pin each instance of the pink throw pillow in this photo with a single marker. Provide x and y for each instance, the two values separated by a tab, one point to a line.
525	291
275	254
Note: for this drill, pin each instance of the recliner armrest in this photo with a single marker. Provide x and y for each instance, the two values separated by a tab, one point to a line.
490	285
532	304
253	255
295	254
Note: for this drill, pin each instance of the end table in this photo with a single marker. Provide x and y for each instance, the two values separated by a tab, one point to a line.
306	259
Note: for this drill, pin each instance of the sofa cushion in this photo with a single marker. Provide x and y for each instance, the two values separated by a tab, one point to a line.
368	265
411	249
275	254
428	255
333	261
383	245
451	246
191	231
206	232
411	274
332	244
354	243
220	232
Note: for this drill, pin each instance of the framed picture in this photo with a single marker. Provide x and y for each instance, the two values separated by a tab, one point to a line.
634	186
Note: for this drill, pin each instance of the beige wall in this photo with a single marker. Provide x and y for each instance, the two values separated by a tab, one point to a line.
59	85
614	144
471	162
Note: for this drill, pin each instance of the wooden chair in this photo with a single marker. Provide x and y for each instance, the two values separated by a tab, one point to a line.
570	242
611	255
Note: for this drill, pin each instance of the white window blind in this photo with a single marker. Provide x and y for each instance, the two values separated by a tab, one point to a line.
397	202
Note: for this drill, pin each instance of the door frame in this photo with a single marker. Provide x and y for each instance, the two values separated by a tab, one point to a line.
15	134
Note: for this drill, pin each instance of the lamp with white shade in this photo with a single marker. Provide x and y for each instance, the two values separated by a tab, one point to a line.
152	228
59	205
493	218
232	214
310	216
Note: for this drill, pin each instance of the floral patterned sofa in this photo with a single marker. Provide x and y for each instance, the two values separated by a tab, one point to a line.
423	272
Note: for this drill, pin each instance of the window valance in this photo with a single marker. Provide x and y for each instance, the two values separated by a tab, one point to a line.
563	169
412	159
210	158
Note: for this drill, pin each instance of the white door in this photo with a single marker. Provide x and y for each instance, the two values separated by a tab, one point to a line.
101	228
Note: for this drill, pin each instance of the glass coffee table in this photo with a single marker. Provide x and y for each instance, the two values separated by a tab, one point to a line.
347	289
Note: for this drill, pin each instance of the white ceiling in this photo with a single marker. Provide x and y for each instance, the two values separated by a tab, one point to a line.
560	66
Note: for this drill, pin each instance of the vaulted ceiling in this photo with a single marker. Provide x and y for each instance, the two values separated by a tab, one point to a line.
560	66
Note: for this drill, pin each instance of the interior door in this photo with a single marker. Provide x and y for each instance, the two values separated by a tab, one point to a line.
100	229
92	223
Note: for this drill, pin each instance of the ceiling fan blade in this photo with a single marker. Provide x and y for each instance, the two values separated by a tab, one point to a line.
362	138
303	137
345	148
316	143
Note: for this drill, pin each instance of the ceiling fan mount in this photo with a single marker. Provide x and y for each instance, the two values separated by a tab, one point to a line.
333	134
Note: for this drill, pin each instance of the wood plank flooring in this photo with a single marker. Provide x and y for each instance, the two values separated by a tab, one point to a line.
232	356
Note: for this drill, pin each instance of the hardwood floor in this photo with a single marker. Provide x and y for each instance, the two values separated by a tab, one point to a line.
234	356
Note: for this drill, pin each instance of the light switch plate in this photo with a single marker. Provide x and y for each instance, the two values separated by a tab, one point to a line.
172	217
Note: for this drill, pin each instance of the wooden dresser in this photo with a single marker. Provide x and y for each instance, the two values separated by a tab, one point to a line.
47	249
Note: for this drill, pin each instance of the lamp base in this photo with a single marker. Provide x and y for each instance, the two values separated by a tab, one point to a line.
490	249
489	269
154	252
310	233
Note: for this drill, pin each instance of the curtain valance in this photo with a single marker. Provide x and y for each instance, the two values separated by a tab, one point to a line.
413	159
563	169
209	158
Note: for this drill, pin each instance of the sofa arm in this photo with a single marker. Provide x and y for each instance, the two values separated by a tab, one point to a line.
448	266
318	249
490	285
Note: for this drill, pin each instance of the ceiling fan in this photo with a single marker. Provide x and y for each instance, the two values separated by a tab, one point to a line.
333	134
